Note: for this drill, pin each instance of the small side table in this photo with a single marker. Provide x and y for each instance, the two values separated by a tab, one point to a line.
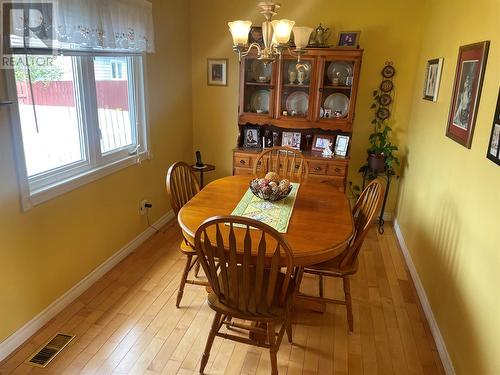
388	173
202	170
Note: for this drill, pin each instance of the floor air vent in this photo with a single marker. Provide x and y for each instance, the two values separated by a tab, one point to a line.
46	353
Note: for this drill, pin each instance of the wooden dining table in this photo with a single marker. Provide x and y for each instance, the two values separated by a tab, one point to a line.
320	225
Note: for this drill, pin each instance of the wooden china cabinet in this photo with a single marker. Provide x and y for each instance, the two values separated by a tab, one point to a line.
316	97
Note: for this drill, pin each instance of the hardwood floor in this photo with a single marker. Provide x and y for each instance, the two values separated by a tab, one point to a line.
127	323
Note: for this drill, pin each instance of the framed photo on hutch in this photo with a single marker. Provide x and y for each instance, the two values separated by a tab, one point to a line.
322	141
467	92
432	79
341	145
217	72
493	152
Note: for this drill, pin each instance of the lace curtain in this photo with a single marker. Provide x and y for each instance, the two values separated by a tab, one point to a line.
118	25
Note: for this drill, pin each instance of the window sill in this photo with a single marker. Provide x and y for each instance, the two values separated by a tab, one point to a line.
39	196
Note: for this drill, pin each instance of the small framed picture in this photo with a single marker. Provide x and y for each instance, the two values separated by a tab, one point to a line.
432	78
349	39
255	36
217	72
494	145
320	142
251	137
341	145
291	139
469	76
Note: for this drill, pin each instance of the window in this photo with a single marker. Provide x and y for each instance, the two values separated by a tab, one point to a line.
80	116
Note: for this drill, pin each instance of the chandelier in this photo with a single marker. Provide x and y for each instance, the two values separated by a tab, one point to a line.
276	35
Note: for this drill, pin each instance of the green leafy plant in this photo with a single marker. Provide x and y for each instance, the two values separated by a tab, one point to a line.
380	143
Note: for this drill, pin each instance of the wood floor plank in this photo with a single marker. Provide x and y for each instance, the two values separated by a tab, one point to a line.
127	323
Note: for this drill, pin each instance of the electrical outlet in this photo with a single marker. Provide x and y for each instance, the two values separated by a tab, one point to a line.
143	209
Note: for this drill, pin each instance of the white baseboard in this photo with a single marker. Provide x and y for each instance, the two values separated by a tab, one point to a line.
15	340
436	333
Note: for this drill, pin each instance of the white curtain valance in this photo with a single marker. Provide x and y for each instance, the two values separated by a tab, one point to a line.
120	25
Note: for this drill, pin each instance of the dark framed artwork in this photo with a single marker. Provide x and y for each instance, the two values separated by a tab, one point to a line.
349	39
469	76
251	137
217	72
255	36
493	152
432	79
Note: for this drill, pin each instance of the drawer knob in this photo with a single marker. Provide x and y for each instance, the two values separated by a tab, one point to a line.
318	168
242	162
297	166
337	169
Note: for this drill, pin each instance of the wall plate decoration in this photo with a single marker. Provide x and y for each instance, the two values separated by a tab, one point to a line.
469	75
432	79
388	71
385	100
386	85
493	152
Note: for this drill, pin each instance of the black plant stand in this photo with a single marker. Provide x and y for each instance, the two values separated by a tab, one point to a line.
370	174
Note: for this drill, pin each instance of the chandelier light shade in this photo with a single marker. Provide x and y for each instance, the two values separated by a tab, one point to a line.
301	35
282	30
275	35
239	31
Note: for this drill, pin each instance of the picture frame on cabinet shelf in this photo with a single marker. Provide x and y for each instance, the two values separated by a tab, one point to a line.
251	137
341	145
493	152
322	141
349	39
291	139
255	36
217	72
432	79
469	75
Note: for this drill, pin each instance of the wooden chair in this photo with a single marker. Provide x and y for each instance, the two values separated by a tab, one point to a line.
182	185
346	264
287	162
247	285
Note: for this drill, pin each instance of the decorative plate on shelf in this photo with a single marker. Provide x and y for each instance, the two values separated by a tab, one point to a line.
388	71
386	85
383	113
340	70
338	103
259	101
260	72
385	100
297	102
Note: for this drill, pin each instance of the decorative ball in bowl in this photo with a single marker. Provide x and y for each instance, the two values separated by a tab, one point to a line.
271	187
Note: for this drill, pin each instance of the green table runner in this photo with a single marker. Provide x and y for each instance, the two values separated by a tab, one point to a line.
276	214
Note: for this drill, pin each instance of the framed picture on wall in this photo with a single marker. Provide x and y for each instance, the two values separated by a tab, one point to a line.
217	72
432	79
467	92
494	145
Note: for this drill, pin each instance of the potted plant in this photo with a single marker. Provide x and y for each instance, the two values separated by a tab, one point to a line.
381	151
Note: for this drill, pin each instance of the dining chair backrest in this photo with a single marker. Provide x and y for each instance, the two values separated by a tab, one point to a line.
232	251
364	211
182	185
285	161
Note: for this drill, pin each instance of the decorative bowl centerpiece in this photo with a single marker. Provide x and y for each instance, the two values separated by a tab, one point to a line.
271	187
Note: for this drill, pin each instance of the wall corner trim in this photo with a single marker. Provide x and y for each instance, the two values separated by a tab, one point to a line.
11	343
436	333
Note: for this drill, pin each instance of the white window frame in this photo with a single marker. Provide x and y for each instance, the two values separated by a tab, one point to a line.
40	188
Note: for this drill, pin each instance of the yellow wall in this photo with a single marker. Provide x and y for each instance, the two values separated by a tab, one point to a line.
389	31
450	196
47	250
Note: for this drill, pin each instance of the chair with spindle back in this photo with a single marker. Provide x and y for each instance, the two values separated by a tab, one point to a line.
346	263
247	284
182	185
285	161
